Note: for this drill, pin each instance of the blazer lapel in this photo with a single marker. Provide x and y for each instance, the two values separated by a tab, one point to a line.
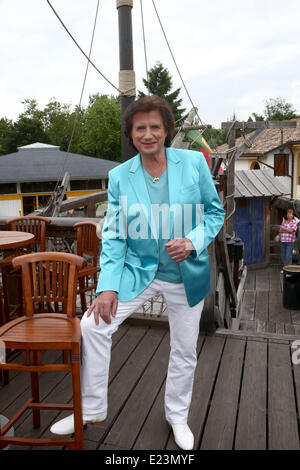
138	183
175	167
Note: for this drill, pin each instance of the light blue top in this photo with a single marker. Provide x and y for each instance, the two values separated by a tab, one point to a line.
128	263
168	270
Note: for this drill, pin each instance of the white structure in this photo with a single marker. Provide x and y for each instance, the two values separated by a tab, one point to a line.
29	176
275	149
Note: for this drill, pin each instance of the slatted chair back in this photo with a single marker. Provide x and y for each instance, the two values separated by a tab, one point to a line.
49	280
2	320
88	241
36	225
88	245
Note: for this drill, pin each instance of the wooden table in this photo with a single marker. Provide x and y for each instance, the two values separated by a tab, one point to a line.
14	239
11	239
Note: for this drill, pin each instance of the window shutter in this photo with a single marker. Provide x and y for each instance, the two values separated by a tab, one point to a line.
281	164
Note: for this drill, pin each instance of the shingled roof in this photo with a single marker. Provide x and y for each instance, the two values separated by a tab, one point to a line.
268	140
43	162
259	183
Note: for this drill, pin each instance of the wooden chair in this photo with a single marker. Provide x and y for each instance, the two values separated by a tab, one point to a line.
36	225
47	278
87	247
1	308
32	224
3	376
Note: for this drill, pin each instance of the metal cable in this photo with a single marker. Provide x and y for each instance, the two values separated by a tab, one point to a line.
177	68
81	50
81	95
145	50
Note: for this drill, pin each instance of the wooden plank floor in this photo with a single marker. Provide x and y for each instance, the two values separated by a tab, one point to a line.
246	394
262	309
246	389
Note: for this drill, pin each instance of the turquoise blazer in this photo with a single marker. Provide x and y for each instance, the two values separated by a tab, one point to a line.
129	263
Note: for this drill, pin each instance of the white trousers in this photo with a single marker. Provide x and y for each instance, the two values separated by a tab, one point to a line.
184	330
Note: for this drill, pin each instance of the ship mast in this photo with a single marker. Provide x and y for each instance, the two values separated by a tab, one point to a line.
126	74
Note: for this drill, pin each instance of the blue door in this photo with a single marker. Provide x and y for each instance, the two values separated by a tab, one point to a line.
249	226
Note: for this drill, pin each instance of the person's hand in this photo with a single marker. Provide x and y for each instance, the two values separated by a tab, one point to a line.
104	306
179	249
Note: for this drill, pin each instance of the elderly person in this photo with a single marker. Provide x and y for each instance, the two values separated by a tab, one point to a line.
163	212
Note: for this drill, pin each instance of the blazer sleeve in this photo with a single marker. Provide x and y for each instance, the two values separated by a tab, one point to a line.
114	243
212	213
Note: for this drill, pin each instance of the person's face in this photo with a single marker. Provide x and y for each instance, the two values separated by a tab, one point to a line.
148	133
290	215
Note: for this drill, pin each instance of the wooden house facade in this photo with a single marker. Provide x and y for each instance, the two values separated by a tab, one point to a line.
274	149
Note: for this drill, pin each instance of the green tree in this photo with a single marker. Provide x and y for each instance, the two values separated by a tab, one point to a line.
215	137
278	109
101	133
160	83
7	136
97	131
58	121
256	117
29	126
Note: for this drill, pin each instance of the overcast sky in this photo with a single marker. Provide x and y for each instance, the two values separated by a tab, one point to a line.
233	55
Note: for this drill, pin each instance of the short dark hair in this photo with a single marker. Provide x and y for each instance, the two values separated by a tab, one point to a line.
290	209
145	105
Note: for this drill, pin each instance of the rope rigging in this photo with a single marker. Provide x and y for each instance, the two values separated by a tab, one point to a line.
177	68
145	50
81	50
80	100
126	80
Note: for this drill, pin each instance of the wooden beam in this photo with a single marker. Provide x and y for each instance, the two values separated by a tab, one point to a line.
251	139
177	142
230	185
83	201
226	267
53	207
191	128
218	155
259	125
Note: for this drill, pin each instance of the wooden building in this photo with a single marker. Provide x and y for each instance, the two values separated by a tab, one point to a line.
255	211
28	177
275	149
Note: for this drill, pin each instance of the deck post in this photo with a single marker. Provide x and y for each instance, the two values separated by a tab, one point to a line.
230	184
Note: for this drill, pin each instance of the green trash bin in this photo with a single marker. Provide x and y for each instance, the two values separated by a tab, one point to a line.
291	287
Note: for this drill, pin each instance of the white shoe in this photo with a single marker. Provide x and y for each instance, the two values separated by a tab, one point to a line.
66	425
183	436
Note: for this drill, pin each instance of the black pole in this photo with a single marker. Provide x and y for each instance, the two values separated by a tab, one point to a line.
126	64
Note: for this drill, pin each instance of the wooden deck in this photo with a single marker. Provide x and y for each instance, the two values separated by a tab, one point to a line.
246	390
262	309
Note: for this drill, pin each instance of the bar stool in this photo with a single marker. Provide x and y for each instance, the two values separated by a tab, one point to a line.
46	278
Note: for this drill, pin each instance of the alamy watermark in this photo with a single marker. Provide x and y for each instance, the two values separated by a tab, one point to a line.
139	221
